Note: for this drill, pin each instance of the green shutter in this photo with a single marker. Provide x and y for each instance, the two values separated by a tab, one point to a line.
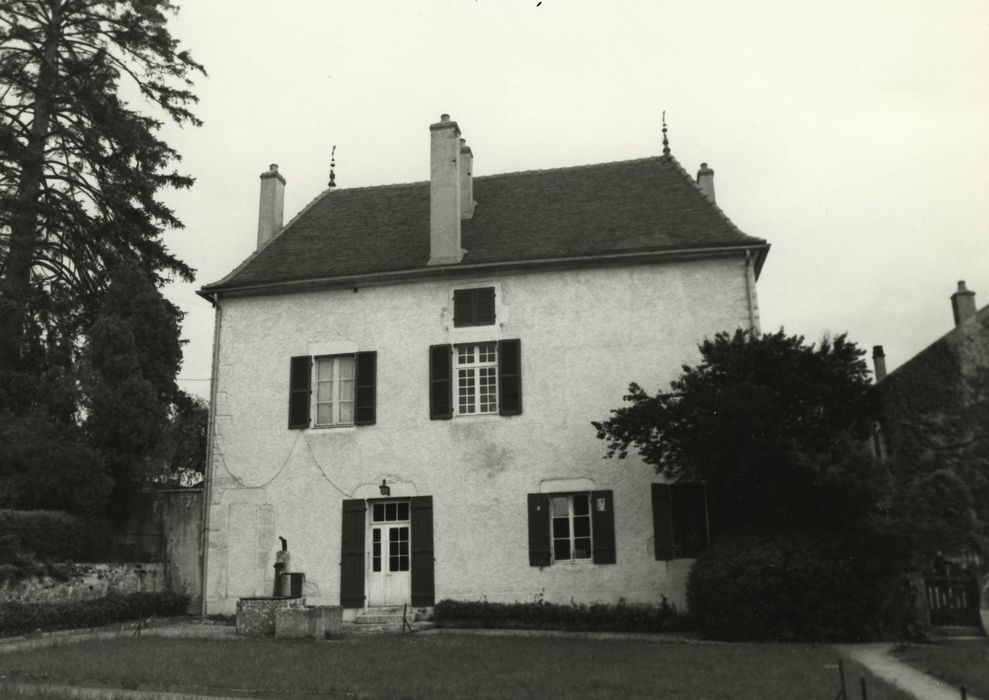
364	388
440	382
603	526
423	586
539	544
689	514
509	377
352	554
299	392
662	521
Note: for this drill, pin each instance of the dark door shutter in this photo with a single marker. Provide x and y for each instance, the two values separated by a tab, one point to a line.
509	377
423	587
689	514
440	382
299	391
352	554
603	526
662	521
539	545
364	388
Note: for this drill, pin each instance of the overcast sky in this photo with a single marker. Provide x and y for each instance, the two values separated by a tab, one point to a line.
853	136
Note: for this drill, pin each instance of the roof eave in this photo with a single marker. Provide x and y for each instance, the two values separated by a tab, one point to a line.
212	292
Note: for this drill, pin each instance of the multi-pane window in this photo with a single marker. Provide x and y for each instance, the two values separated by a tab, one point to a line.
571	527
477	378
335	390
390	537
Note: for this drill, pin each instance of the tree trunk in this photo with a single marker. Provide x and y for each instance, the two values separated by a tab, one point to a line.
15	287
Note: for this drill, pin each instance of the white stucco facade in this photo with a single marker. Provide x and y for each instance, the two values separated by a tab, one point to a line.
584	334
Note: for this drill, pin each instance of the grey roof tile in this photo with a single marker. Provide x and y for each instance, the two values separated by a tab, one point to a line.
650	204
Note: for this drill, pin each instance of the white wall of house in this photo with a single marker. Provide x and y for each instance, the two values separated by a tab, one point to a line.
585	334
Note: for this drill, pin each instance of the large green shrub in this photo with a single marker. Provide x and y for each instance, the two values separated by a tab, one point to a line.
21	618
597	617
805	585
56	536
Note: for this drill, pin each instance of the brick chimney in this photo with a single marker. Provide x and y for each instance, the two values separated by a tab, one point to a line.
962	304
444	193
271	209
467	202
879	362
705	180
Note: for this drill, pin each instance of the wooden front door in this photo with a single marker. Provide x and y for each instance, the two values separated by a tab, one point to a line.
389	549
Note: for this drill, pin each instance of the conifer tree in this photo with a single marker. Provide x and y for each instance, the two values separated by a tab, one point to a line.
81	168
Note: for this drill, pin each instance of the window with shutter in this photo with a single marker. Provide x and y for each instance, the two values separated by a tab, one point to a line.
338	390
680	520
571	527
474	307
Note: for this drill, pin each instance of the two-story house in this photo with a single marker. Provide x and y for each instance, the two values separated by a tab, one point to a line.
404	380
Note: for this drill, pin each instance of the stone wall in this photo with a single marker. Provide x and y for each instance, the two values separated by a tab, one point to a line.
176	515
87	581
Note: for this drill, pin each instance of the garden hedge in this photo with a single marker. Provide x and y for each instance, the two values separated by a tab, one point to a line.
599	617
801	586
21	618
57	536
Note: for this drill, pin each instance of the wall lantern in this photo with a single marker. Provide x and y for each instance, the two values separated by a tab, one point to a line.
384	488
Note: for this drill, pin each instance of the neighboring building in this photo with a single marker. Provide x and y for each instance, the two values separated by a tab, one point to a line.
405	377
935	432
936	404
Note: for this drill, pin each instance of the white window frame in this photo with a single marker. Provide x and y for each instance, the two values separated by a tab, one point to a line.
572	537
470	373
335	399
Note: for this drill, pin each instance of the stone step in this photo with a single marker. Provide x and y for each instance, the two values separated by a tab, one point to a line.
391	628
958	631
365	619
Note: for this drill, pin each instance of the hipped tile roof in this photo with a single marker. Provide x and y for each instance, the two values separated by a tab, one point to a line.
645	205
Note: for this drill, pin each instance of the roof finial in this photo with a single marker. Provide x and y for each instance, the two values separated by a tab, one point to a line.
333	162
666	141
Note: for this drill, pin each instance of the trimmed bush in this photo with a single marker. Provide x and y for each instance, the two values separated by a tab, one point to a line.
806	586
575	617
56	536
22	618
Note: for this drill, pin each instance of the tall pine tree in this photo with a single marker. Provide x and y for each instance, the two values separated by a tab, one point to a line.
80	168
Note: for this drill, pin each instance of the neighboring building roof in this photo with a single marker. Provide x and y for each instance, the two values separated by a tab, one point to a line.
650	205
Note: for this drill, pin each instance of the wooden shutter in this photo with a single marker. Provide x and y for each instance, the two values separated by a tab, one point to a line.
440	382
539	544
423	587
603	526
474	307
509	377
689	515
364	388
662	521
352	554
299	391
484	306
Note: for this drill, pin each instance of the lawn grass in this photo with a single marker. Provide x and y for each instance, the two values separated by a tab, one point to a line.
958	665
461	665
